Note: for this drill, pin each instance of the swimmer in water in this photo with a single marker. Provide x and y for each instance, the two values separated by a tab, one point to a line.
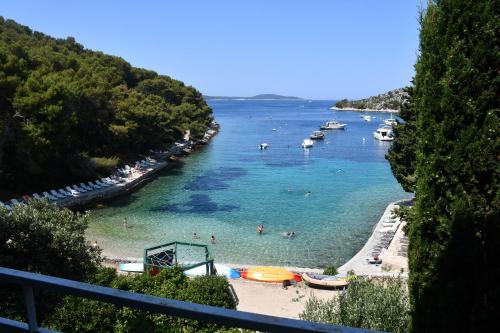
289	234
260	229
195	236
212	239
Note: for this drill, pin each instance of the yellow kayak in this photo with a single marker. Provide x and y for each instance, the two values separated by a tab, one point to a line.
268	274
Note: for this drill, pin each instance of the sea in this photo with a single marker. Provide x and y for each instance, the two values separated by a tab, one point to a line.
330	195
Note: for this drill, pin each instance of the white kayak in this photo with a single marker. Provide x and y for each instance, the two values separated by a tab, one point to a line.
221	270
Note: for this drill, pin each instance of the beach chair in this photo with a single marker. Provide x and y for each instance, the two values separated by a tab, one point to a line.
86	187
95	186
79	189
113	181
49	196
73	191
63	192
6	206
57	194
15	202
101	184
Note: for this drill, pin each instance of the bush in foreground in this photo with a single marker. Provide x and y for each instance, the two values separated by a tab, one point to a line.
380	304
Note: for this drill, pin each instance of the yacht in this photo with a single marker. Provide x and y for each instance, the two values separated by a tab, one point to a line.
317	135
391	121
307	143
332	124
383	133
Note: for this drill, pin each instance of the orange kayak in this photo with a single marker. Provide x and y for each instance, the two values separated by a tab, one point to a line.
269	274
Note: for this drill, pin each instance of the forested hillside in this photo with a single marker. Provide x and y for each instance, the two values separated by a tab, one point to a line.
67	113
392	100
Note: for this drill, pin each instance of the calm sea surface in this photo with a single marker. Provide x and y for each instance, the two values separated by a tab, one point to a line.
230	186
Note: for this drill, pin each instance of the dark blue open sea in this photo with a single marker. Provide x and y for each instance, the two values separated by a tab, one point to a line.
230	186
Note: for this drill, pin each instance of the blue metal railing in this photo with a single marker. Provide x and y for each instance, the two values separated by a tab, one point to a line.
210	314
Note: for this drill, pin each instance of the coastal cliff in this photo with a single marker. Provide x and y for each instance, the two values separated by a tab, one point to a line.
391	100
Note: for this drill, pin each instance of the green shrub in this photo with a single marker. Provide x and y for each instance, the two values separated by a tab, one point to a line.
330	270
104	164
46	239
380	304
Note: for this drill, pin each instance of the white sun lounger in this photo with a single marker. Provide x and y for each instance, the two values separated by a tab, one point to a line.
63	192
72	191
57	195
79	189
6	206
88	188
94	186
101	183
37	196
49	196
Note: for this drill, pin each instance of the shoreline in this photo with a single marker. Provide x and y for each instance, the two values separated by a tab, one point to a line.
391	261
333	108
137	178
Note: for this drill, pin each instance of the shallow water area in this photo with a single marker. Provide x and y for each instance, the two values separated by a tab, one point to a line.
330	195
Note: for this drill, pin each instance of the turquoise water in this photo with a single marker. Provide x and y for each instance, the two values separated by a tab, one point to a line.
230	186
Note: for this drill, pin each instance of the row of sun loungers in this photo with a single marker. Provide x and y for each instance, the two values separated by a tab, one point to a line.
386	234
77	190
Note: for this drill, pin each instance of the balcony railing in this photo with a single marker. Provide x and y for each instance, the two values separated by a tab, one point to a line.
209	314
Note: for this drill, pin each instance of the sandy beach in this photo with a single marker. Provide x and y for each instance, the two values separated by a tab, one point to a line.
272	299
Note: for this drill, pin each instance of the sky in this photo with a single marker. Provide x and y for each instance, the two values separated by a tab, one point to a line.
318	49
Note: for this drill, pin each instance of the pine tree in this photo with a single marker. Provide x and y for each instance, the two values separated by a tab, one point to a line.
455	236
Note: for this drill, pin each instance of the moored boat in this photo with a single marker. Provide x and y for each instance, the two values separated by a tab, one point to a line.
317	135
307	143
391	121
383	133
332	124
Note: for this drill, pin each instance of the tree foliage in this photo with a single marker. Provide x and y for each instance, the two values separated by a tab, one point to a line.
379	305
402	153
81	315
62	104
46	239
453	252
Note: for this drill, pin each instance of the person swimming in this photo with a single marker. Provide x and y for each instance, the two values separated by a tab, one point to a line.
288	234
195	236
260	229
212	239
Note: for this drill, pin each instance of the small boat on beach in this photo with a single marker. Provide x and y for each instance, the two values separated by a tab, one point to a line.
383	133
325	281
220	269
269	274
332	124
317	135
307	143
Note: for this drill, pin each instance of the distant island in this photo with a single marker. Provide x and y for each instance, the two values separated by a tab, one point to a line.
256	97
389	101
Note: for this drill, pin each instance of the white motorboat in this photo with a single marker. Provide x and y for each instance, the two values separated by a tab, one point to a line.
332	124
383	133
263	146
307	143
317	135
391	121
366	117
